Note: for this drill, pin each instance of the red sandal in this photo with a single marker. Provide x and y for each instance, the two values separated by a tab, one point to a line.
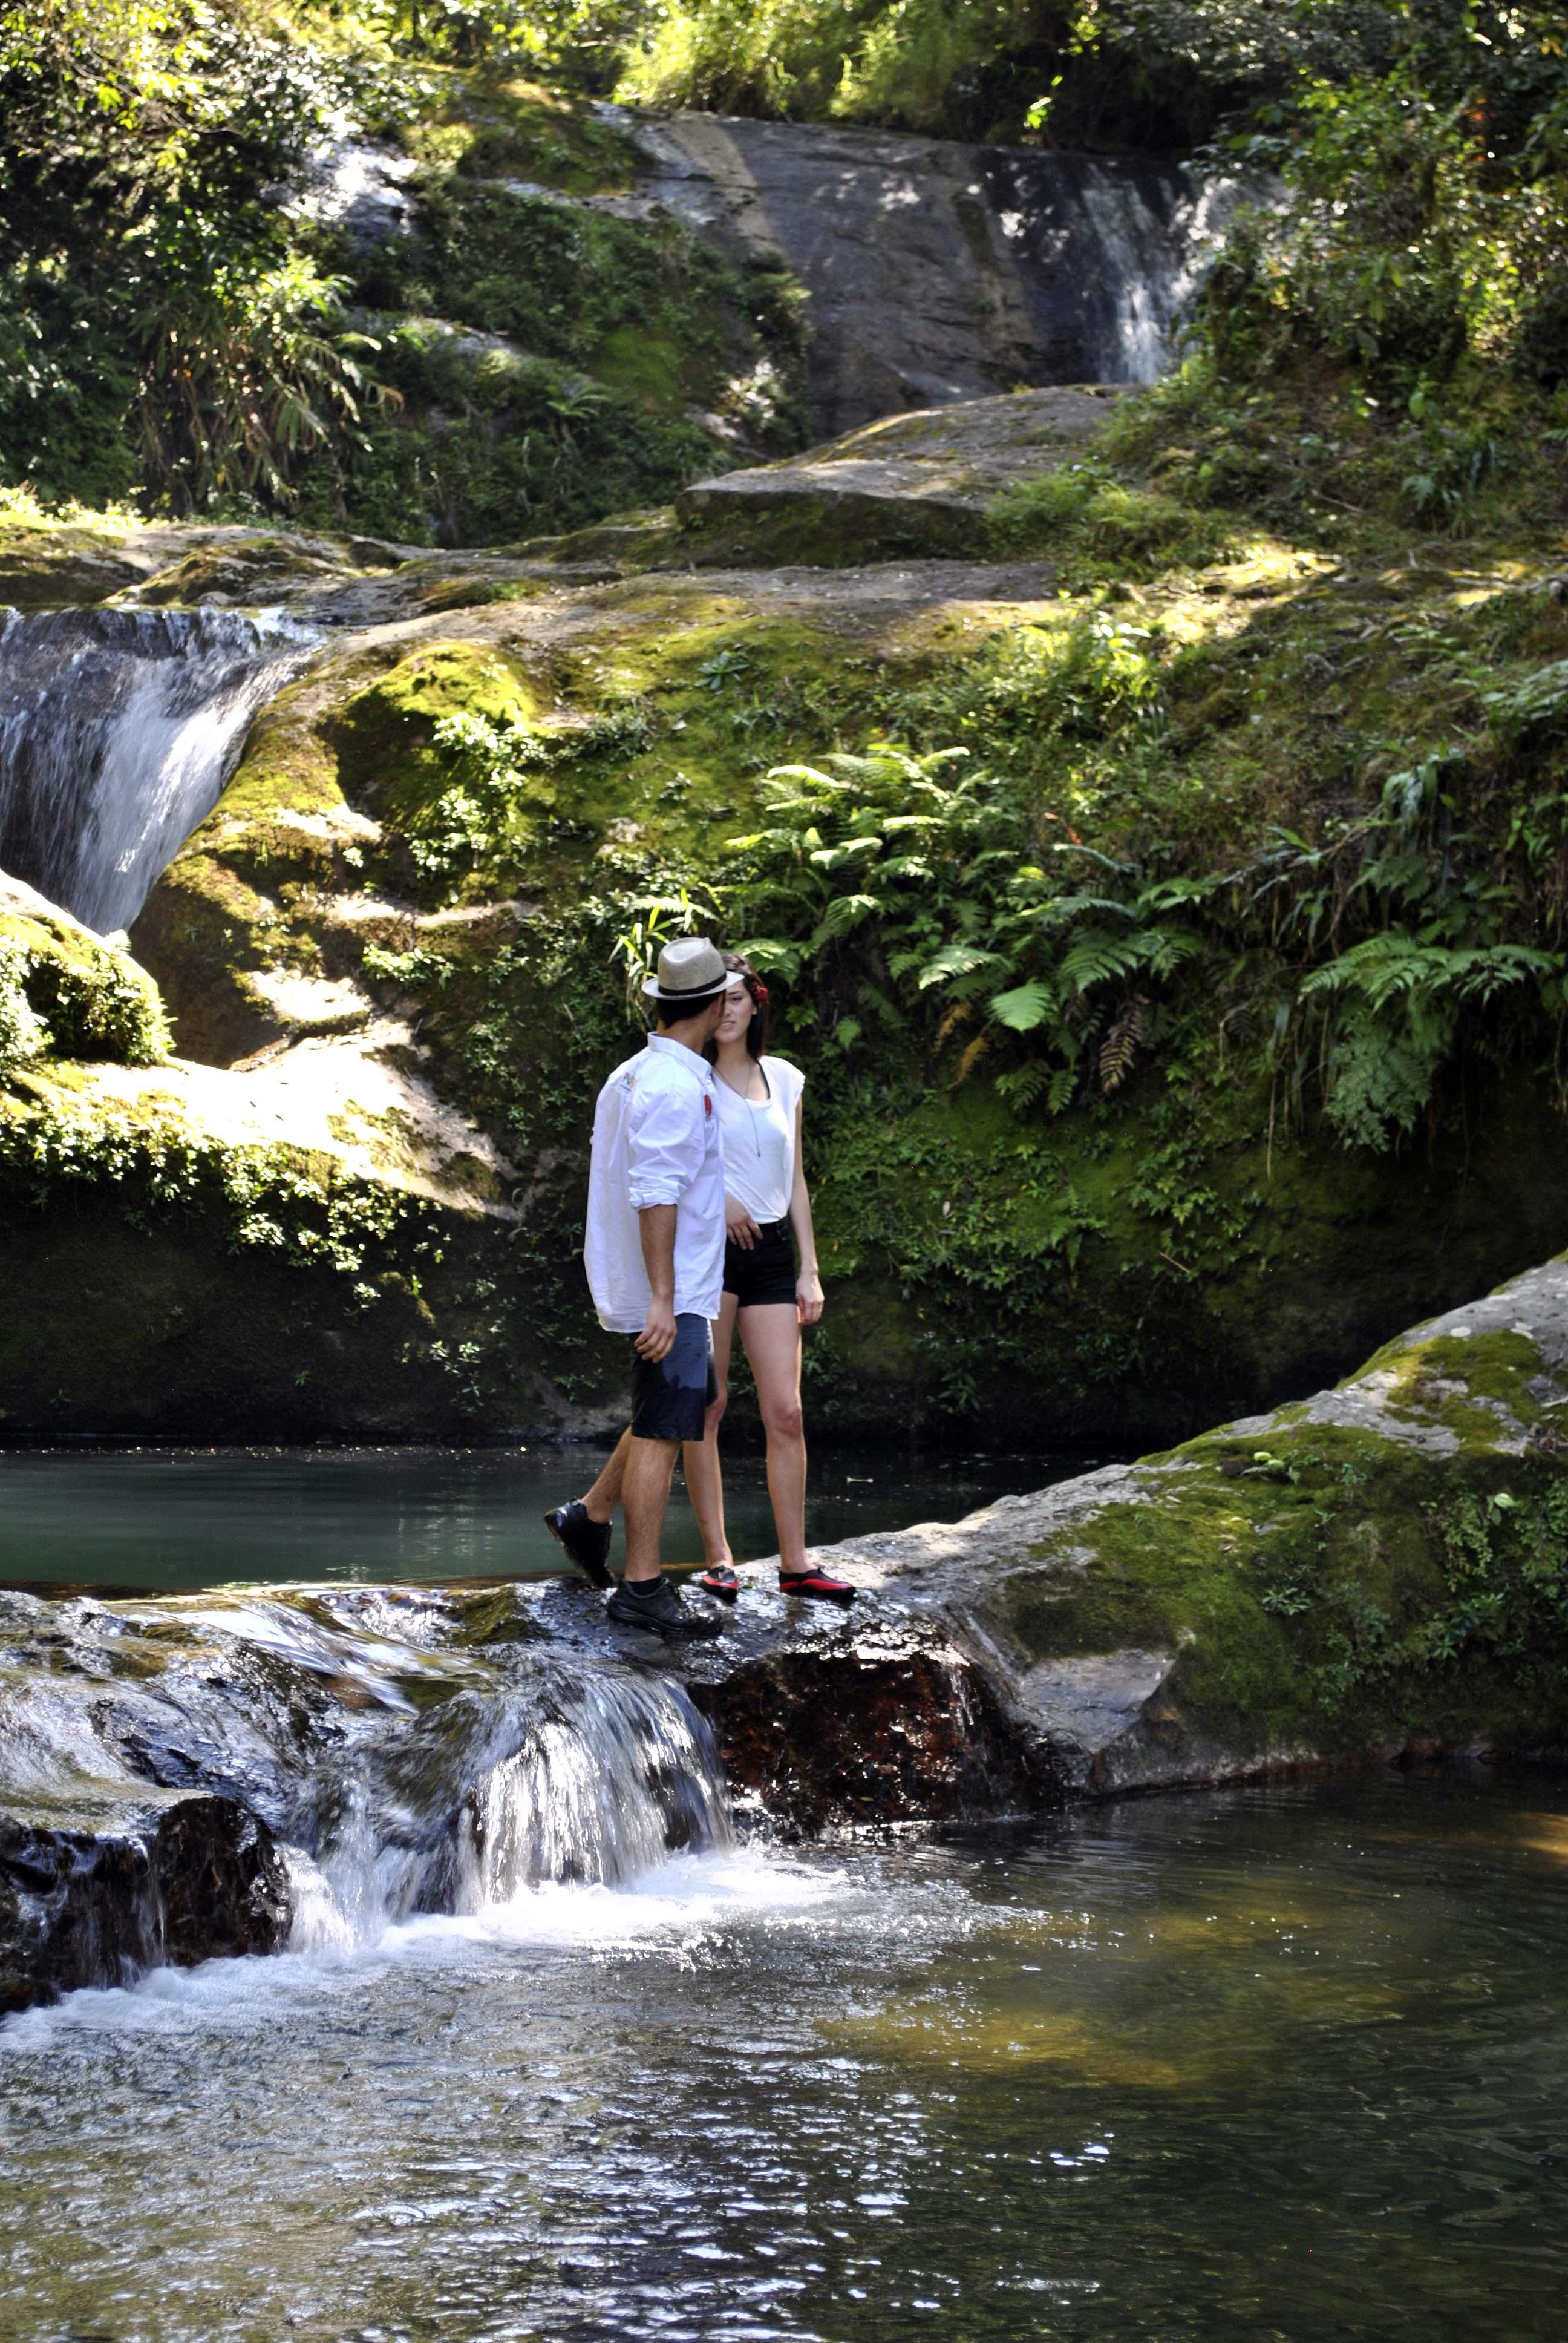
720	1581
816	1584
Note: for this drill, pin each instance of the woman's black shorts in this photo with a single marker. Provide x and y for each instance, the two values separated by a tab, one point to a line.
765	1273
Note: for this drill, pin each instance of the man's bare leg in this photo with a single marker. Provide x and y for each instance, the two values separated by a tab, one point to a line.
644	1496
700	1458
602	1499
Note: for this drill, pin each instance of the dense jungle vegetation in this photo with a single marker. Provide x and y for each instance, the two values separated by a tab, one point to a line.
181	329
1170	957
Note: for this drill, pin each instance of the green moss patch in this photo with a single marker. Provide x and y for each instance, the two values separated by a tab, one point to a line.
64	994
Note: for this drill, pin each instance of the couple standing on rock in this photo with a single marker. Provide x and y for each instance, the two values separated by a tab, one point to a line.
694	1185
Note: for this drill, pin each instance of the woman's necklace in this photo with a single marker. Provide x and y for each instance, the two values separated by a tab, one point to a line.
746	1098
745	1094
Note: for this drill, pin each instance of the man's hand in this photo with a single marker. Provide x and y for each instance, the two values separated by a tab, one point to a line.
656	1227
657	1338
738	1225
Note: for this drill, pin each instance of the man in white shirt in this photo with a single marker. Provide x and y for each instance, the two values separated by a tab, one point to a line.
654	1251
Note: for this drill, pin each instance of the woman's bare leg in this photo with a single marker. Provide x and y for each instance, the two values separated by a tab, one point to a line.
700	1458
772	1334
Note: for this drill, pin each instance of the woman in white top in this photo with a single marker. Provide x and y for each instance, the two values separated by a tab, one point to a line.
767	1213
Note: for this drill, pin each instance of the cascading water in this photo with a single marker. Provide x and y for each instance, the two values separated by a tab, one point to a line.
397	1754
119	730
1107	253
582	1775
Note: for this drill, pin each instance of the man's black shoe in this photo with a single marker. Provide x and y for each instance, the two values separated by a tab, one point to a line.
657	1608
587	1541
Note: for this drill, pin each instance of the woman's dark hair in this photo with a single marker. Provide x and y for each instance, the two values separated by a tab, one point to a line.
756	1032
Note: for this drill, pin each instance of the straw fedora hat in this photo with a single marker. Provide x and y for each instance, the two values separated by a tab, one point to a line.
691	971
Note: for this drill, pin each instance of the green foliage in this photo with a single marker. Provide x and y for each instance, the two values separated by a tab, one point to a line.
157	325
1154	73
23	1033
274	1199
1406	1000
1098	526
170	331
919	899
1426	218
484	813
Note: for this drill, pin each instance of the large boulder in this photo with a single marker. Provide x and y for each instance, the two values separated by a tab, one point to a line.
910	484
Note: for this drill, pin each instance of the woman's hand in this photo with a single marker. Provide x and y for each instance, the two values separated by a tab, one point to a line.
738	1225
809	1297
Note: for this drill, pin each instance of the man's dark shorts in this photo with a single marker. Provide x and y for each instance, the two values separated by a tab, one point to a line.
669	1396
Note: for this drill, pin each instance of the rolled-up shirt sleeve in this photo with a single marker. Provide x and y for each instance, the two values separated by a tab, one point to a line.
663	1146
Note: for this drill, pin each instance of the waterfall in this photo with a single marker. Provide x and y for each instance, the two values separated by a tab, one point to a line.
1107	255
585	1775
119	730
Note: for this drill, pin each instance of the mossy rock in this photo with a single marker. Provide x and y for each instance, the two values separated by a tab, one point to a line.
1381	1569
50	568
65	993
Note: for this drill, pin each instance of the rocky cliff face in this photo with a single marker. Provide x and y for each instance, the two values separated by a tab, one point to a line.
935	272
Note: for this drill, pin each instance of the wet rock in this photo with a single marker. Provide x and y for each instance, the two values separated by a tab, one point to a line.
1375	1569
881	1724
101	1886
937	271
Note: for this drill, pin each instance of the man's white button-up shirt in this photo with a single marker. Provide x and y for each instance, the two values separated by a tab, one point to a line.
656	1142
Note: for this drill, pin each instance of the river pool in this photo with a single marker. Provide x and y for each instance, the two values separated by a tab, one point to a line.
172	1518
1272	2063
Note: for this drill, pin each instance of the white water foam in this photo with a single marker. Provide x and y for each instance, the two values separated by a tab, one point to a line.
669	1915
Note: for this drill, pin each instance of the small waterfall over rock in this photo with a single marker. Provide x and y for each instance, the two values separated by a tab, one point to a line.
119	730
584	1775
182	1778
1107	256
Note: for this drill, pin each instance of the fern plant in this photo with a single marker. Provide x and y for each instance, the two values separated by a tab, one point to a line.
902	895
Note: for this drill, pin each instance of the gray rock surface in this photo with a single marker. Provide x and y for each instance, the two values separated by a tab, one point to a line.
1108	1720
919	482
938	271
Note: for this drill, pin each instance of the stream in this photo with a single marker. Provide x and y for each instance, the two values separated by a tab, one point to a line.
553	2054
1286	2063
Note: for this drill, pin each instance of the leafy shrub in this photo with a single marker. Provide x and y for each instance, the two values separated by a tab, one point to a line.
1102	525
1423	205
23	1033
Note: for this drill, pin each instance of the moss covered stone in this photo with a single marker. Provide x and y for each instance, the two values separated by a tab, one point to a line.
1362	1573
65	993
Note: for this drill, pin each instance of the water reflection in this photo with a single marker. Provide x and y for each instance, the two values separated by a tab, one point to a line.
1265	2065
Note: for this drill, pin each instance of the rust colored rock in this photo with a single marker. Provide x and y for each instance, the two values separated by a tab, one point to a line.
873	1727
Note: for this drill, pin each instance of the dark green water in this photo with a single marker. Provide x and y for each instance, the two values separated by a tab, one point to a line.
1241	2067
192	1517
